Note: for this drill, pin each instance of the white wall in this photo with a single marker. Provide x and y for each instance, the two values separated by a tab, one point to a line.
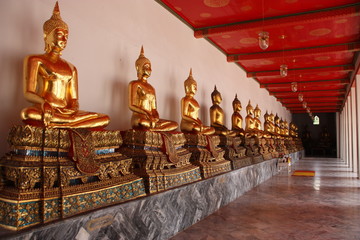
104	43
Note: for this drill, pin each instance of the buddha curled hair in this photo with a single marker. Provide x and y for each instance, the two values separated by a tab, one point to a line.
236	101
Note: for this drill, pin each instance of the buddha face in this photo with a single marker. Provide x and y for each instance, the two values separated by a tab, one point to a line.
146	69
190	89
56	40
217	98
237	106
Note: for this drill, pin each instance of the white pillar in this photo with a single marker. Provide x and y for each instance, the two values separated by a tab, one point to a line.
349	131
354	130
346	125
357	110
338	131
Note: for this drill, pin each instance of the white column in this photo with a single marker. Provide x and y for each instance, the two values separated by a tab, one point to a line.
357	110
354	130
338	131
349	131
342	127
346	139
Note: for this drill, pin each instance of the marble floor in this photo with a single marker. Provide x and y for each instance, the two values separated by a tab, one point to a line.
287	207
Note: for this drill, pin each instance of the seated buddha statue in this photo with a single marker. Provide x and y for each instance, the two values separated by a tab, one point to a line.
142	100
217	115
286	128
249	119
51	84
268	125
257	121
292	130
236	118
190	121
282	127
277	124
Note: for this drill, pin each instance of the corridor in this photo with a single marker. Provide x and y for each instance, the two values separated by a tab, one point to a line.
326	206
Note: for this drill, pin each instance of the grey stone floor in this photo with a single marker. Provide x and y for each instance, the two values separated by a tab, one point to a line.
326	206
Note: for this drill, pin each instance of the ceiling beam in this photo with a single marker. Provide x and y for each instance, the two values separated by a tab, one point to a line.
313	70
279	22
300	83
294	53
287	87
317	111
328	91
337	103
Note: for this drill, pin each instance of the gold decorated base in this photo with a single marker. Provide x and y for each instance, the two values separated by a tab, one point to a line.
160	158
257	159
55	173
206	153
46	205
267	156
275	154
234	151
241	162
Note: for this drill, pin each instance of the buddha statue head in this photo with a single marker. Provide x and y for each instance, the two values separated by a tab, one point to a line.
216	96
249	109
190	85
236	104
55	31
143	65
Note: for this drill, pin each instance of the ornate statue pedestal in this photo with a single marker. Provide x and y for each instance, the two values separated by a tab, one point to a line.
234	151
206	154
280	147
160	158
56	173
253	149
264	149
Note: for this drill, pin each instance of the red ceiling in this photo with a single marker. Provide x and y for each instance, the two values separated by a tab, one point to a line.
318	40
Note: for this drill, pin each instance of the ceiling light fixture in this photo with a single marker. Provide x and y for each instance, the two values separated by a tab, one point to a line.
283	67
263	36
301	97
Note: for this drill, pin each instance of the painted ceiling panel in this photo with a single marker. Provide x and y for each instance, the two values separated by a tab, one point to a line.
318	41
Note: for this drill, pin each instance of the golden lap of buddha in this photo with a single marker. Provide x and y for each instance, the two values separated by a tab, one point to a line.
51	84
217	115
190	121
142	100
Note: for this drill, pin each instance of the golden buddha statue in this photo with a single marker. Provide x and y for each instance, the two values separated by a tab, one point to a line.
249	119
190	121
282	127
277	124
217	115
286	128
257	114
51	84
142	100
236	117
268	126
